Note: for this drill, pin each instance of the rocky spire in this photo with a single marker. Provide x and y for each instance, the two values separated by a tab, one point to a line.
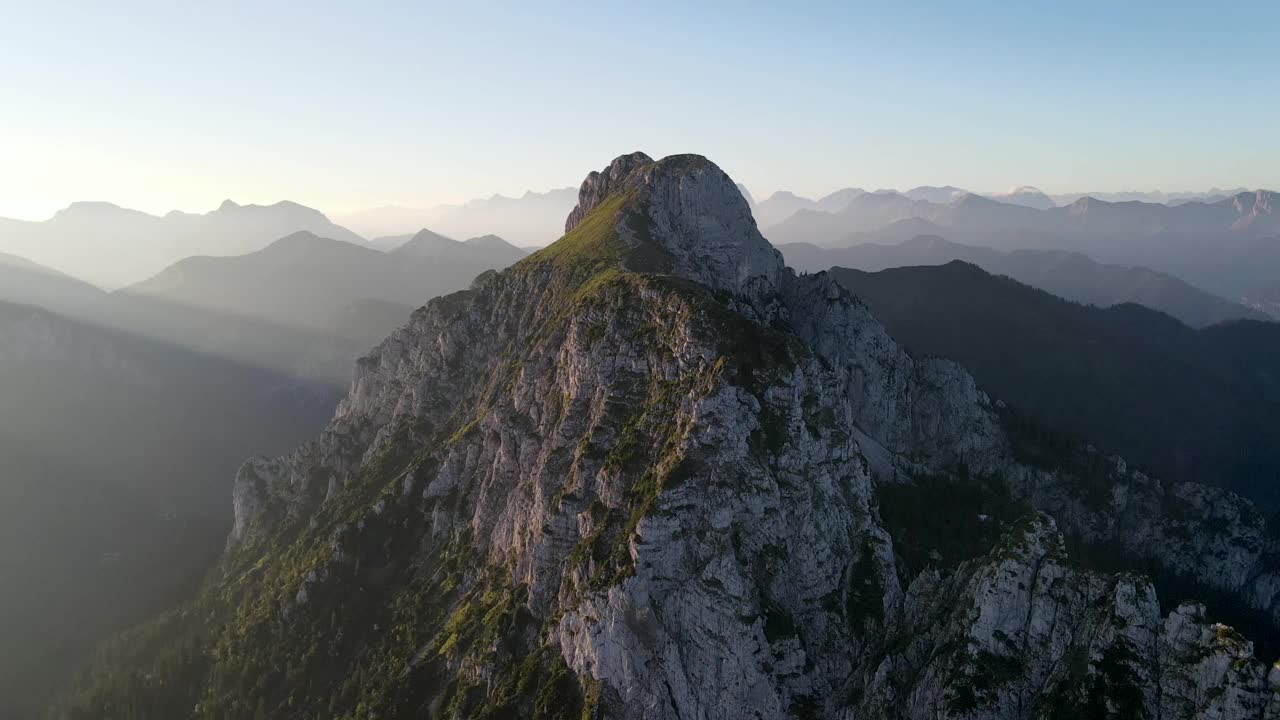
600	185
694	212
697	214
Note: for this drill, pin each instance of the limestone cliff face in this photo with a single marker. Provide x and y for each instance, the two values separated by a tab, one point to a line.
1190	530
654	462
1023	633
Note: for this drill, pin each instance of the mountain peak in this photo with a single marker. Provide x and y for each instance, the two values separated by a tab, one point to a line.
488	241
84	208
1027	196
927	241
301	238
92	205
296	246
228	204
426	243
692	210
425	236
971	199
936	194
1081	205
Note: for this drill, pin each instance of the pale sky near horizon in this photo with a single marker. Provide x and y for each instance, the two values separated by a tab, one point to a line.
344	106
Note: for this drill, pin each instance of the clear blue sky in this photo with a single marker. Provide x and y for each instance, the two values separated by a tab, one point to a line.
341	106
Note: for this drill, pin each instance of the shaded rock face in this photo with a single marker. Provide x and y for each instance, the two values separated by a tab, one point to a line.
697	215
665	487
926	411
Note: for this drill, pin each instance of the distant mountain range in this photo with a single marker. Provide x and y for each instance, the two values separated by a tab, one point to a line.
1153	196
107	394
1230	247
1026	196
783	204
110	246
870	212
486	251
117	455
1069	275
1193	405
927	193
533	219
302	279
1009	223
387	243
212	360
304	305
26	282
320	353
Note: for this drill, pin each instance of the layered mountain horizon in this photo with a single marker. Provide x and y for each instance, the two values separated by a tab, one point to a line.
110	246
140	245
651	472
1229	247
116	449
953	208
1069	275
124	415
1183	402
532	219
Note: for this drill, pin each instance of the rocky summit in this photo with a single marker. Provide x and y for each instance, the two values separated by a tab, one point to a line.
650	472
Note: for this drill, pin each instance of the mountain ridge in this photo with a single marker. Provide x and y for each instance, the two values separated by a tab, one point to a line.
117	451
968	211
534	218
302	279
110	246
1228	247
631	476
1155	391
1070	275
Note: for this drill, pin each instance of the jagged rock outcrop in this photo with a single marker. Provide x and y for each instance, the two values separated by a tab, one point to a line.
1191	530
600	185
1025	634
645	473
693	216
927	412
